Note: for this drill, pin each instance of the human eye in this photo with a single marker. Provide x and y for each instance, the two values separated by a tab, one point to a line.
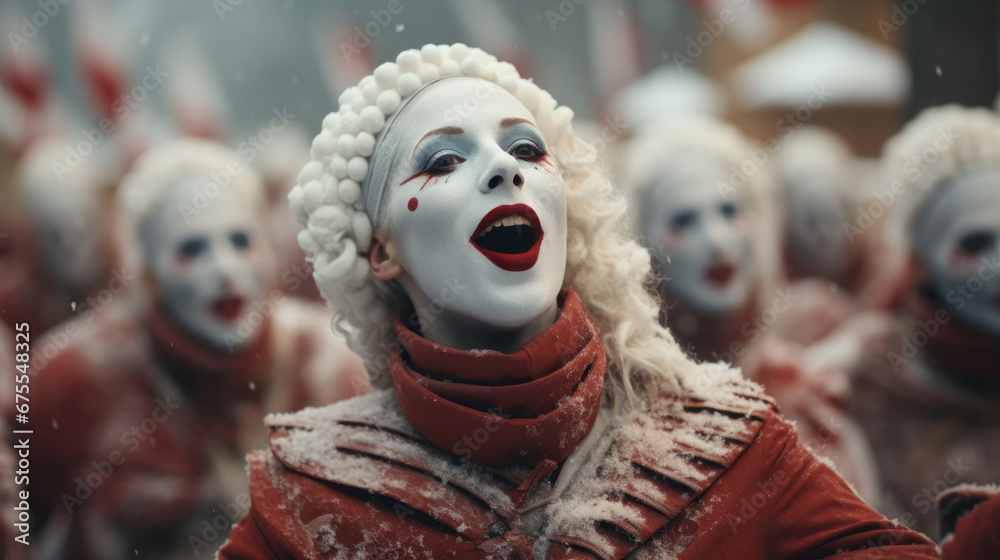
240	239
683	220
527	150
191	248
976	242
730	210
442	163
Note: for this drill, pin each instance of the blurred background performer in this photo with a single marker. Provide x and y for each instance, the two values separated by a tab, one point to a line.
146	414
928	390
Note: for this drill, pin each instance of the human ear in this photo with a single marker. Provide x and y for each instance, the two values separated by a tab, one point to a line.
382	257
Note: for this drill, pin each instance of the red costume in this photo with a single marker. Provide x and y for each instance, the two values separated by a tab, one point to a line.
970	519
487	455
932	414
145	429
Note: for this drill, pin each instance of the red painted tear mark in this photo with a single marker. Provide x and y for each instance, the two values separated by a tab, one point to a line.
412	204
547	164
414	176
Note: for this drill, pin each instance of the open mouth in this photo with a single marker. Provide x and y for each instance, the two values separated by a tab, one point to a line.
720	274
228	307
510	237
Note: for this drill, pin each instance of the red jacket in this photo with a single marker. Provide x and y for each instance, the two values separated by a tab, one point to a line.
720	476
127	457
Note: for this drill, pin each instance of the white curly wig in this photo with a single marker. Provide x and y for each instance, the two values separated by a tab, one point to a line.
940	143
159	170
648	156
604	265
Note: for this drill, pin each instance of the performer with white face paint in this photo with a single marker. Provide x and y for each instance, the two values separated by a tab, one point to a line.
59	251
704	210
155	399
483	269
929	394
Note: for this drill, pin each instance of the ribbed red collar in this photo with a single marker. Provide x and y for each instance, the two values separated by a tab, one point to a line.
504	409
967	356
211	378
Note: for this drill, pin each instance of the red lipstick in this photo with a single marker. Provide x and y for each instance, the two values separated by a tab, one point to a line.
516	258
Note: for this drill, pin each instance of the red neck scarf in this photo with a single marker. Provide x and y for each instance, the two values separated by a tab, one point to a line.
211	378
713	337
505	409
966	355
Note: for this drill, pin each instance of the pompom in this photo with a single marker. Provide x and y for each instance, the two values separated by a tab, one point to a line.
371	92
388	101
297	205
529	94
357	168
349	190
372	119
458	52
361	226
331	122
323	145
310	171
433	54
313	195
386	75
408	60
330	190
348	96
339	167
509	82
408	84
428	73
351	123
365	144
328	226
345	146
358	104
472	66
306	242
449	67
332	272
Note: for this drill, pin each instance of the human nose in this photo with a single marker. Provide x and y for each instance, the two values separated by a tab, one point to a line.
503	169
721	234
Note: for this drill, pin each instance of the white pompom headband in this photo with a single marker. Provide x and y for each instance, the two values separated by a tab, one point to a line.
339	193
940	143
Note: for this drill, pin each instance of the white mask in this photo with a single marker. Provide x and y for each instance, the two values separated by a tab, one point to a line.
814	230
701	240
958	235
70	236
211	269
454	178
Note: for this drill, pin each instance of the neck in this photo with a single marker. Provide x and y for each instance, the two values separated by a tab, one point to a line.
464	333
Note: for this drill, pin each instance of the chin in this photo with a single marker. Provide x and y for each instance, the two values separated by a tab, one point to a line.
514	307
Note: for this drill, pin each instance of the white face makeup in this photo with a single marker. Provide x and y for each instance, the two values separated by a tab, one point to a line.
702	241
957	234
477	211
70	236
814	234
210	270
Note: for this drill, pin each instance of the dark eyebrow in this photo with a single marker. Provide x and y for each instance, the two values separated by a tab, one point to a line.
512	121
442	130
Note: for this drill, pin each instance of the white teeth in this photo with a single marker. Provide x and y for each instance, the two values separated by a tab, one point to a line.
508	221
